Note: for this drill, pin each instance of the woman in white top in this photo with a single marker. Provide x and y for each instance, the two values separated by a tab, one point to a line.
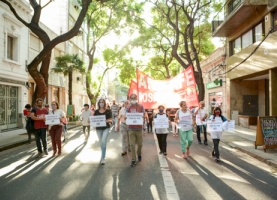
56	130
161	132
185	121
216	135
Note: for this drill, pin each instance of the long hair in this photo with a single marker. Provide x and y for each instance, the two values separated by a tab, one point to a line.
98	104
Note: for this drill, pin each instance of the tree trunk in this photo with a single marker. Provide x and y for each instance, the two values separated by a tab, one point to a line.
89	93
200	84
70	87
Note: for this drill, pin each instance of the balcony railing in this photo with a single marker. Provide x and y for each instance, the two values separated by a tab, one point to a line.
227	9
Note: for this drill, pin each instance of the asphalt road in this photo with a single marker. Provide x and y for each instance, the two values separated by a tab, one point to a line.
76	174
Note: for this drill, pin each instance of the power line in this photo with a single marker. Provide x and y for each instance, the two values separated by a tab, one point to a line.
269	32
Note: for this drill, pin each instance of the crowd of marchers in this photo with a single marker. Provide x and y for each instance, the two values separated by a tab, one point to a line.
183	121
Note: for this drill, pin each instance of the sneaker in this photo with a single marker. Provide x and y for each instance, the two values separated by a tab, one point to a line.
39	155
133	163
188	151
102	161
165	153
184	156
205	143
45	152
160	152
124	153
174	135
139	158
199	142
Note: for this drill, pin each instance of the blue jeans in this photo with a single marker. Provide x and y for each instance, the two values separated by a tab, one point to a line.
40	134
102	137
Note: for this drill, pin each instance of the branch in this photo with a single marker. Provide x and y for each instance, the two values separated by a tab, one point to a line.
158	71
15	13
47	4
64	37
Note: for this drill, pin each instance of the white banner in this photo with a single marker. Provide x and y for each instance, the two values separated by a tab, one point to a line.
229	126
185	125
161	122
134	119
98	121
215	126
52	119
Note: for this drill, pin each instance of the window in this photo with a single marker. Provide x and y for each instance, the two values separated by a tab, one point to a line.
10	48
247	39
274	20
237	45
258	32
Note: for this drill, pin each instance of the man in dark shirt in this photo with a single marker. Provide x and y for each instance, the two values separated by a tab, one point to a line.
38	115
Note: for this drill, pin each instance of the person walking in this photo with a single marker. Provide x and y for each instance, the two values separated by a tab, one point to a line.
124	128
135	131
38	115
29	122
114	109
86	113
172	121
103	132
161	133
201	115
216	135
150	113
56	130
185	122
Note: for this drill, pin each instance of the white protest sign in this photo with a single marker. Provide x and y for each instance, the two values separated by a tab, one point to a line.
229	126
52	119
215	126
185	123
134	119
97	121
161	122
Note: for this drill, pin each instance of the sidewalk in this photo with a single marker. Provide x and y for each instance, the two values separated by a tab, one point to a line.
243	138
18	137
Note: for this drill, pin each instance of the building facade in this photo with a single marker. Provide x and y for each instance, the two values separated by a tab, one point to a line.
213	69
13	58
251	46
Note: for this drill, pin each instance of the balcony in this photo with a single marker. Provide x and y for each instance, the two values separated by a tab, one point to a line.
234	13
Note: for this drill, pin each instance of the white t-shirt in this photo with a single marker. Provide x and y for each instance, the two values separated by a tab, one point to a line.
56	112
201	113
187	116
122	115
216	134
161	130
86	115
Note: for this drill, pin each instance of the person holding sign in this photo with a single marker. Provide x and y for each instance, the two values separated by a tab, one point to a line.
56	128
185	121
201	115
161	132
103	131
38	115
135	131
86	113
216	135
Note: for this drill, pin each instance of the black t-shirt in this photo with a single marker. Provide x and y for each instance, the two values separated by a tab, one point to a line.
108	114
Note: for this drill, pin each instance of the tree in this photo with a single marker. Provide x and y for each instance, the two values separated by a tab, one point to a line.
66	65
187	33
112	16
41	76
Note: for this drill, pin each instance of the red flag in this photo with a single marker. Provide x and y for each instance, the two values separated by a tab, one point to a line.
133	88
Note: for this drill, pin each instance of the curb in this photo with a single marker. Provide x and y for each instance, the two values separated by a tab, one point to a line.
22	142
266	161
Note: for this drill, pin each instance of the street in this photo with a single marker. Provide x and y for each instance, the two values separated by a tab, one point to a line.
76	174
